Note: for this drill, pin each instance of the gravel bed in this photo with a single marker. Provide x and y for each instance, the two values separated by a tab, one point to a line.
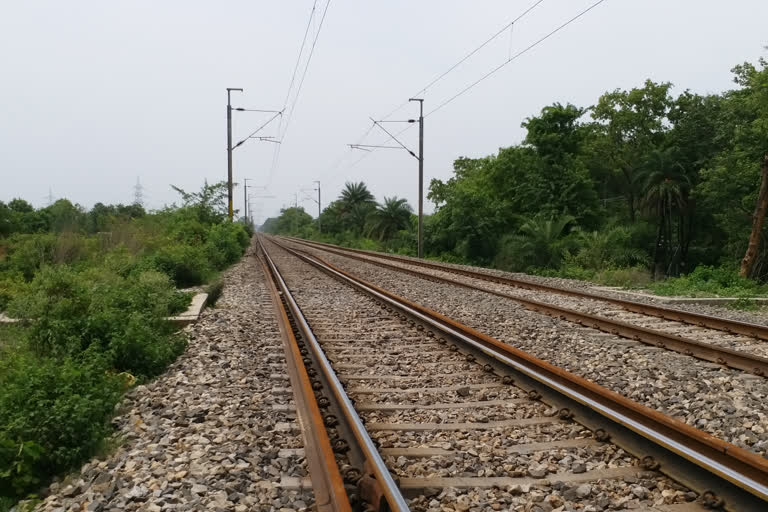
203	436
726	403
758	317
595	307
495	440
470	415
334	310
550	496
470	463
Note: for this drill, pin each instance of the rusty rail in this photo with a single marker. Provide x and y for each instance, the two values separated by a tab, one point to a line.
327	483
723	473
705	351
712	322
382	485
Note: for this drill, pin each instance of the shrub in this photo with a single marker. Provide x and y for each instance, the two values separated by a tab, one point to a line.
185	264
629	277
214	291
73	314
11	285
53	415
189	231
226	243
27	253
706	280
142	348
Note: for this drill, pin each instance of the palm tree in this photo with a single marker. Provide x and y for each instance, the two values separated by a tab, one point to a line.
665	188
355	193
540	242
356	203
609	246
390	217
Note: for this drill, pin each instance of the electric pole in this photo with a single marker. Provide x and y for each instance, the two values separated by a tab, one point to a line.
420	158
421	175
229	149
245	197
319	209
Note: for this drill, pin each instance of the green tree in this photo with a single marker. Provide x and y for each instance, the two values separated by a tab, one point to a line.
540	242
630	124
25	219
65	216
547	176
291	221
210	204
6	220
356	204
665	188
729	184
390	217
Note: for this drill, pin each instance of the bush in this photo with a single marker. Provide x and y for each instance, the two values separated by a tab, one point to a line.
11	285
143	349
629	277
710	281
214	291
73	314
53	415
189	231
27	253
226	243
186	265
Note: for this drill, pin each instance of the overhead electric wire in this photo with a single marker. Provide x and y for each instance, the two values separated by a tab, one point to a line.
293	80
441	76
298	91
467	56
306	68
301	51
473	84
496	69
514	57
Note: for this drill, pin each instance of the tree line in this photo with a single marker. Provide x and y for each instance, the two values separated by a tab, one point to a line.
643	178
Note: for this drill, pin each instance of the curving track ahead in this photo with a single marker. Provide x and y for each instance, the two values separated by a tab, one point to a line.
441	393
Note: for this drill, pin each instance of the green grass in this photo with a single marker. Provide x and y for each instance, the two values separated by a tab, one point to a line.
708	281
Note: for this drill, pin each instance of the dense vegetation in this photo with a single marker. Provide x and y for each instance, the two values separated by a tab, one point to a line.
92	290
641	185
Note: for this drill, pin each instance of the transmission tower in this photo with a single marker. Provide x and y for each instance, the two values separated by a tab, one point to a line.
138	193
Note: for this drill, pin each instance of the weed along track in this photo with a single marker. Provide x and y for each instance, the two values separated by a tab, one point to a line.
423	412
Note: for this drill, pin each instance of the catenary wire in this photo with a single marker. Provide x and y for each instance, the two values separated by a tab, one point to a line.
514	57
440	77
467	56
293	80
276	158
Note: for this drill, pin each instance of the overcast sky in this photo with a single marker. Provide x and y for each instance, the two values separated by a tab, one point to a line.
95	94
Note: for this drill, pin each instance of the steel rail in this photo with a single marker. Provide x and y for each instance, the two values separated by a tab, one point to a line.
701	320
706	351
736	475
327	483
389	488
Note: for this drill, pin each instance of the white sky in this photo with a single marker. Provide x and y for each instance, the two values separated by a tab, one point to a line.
94	94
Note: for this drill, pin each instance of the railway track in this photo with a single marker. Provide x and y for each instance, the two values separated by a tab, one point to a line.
423	413
717	340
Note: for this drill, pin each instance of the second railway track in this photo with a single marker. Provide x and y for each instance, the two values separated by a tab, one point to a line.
453	430
718	340
729	404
